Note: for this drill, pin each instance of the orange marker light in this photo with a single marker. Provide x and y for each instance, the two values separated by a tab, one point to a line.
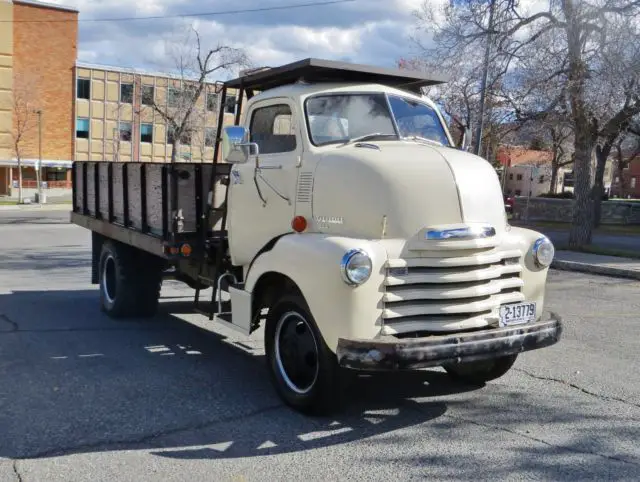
299	224
173	250
185	249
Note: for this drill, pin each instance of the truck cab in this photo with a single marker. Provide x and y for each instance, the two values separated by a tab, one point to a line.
363	239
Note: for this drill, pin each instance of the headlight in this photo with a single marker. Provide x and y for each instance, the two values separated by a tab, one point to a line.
543	251
356	267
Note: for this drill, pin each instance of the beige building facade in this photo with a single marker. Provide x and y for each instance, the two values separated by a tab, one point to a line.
119	116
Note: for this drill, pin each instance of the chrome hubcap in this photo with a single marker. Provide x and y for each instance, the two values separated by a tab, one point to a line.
296	352
109	279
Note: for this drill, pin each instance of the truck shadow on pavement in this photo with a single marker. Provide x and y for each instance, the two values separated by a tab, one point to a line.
74	381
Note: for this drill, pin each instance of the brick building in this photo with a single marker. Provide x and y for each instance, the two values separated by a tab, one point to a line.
81	111
629	186
38	50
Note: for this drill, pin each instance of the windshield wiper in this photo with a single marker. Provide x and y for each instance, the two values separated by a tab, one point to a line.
419	138
367	136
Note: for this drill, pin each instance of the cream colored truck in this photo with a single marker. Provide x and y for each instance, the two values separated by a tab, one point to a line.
344	219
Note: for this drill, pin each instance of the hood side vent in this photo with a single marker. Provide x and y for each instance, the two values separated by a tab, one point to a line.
305	187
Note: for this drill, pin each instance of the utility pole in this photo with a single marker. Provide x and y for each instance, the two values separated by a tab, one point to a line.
39	176
483	88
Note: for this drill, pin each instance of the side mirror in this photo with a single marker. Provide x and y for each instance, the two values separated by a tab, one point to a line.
236	148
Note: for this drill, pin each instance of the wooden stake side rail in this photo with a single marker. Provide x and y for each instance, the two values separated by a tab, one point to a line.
126	200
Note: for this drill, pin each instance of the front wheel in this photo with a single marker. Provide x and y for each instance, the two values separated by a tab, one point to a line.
303	369
477	373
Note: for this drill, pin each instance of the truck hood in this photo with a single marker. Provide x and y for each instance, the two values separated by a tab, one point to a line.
399	189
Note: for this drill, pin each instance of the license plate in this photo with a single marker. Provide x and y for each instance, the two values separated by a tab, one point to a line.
517	314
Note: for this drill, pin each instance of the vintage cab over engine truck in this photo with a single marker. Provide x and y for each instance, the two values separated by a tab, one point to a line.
343	218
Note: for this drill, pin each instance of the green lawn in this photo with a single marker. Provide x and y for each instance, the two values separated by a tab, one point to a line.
621	253
629	229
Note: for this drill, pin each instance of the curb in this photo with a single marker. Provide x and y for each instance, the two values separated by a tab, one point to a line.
596	269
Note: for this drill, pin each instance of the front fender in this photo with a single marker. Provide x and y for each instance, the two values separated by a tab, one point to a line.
534	277
312	261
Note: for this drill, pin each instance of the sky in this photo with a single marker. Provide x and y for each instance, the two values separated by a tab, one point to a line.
373	32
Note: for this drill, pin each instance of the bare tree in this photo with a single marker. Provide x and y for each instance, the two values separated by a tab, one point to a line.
25	120
555	58
195	66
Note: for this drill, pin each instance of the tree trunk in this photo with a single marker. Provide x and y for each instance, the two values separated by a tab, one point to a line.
620	170
19	181
581	226
602	153
175	146
554	177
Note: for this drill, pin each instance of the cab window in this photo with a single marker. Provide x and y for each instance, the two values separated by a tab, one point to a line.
272	128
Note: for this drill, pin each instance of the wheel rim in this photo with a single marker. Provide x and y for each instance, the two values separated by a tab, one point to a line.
296	352
109	279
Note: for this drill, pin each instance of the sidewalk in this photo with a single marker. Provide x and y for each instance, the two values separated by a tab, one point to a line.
597	264
36	207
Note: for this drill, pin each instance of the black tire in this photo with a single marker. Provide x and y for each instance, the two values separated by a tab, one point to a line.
480	372
317	390
129	281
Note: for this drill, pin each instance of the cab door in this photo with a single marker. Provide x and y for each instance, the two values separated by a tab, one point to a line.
262	193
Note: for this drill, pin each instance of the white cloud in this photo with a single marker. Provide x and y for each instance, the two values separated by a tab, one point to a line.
365	31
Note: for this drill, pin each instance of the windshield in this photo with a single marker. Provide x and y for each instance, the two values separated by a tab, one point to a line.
417	119
338	118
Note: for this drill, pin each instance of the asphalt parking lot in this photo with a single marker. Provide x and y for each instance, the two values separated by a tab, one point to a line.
83	397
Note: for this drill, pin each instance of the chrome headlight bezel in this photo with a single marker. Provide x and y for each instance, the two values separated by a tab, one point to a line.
541	259
346	261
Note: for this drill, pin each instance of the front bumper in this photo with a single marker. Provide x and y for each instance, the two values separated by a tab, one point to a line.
401	354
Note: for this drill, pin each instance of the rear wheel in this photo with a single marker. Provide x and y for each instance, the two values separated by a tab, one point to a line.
129	281
303	369
477	373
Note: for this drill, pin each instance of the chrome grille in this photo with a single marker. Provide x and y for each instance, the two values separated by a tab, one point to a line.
436	294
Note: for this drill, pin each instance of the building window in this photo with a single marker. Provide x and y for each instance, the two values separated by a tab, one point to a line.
541	180
147	95
172	96
84	89
185	139
146	132
212	101
510	177
269	129
230	105
519	177
633	183
209	136
125	131
126	93
55	174
82	128
518	192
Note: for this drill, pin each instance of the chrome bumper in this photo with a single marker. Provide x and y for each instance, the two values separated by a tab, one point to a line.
412	353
